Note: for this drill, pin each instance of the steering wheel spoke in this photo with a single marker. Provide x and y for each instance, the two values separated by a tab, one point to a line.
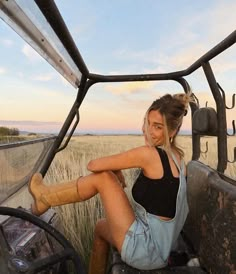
49	261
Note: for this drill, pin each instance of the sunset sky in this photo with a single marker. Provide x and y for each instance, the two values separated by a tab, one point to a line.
128	37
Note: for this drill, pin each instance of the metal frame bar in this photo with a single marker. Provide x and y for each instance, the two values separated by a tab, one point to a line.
49	8
56	22
221	117
74	112
176	76
222	46
24	143
13	14
58	25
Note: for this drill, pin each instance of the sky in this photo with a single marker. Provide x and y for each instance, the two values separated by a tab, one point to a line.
113	37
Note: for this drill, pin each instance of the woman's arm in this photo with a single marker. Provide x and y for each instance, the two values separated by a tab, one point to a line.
134	158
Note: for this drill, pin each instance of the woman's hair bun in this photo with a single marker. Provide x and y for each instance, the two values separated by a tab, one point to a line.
185	99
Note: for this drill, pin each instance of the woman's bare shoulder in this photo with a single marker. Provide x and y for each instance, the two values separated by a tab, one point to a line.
144	151
140	156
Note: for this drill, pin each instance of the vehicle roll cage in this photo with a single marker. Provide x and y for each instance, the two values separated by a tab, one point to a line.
56	22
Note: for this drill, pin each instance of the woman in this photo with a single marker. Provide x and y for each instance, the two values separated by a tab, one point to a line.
145	235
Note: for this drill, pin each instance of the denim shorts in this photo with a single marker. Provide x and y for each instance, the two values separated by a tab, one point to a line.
149	240
139	249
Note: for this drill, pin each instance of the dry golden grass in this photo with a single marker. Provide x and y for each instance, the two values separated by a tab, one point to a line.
79	219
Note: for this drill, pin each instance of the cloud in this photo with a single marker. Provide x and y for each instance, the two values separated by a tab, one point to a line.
211	25
2	70
224	66
205	99
33	126
201	32
185	57
27	122
43	77
151	56
30	53
129	88
221	20
7	42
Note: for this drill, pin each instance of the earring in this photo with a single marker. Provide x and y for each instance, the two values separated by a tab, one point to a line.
171	140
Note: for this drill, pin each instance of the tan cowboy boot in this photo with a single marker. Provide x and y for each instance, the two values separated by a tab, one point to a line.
53	195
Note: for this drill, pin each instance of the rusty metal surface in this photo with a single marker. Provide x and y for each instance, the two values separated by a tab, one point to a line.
211	224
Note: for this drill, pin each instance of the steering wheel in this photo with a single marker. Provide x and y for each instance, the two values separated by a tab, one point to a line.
11	264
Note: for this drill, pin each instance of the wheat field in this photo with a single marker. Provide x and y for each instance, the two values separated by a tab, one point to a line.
79	219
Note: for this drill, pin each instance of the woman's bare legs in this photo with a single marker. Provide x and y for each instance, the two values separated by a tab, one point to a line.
118	210
119	213
100	249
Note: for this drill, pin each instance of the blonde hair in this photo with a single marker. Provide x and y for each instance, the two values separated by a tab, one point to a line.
172	108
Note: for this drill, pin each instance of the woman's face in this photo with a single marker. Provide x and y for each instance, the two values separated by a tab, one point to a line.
155	128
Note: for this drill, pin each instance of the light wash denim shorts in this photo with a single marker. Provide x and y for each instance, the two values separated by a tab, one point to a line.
139	249
149	240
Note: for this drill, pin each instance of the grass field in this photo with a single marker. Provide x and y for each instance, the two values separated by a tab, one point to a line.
79	219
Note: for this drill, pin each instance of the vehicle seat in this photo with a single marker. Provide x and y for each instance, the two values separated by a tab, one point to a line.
119	267
209	232
211	222
205	121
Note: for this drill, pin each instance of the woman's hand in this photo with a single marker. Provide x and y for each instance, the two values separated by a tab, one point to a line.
120	177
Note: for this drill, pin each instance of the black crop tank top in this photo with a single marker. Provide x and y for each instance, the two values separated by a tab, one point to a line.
158	196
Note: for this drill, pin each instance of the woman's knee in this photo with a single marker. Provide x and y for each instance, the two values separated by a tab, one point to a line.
107	178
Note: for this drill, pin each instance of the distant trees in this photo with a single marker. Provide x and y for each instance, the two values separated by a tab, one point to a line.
5	131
